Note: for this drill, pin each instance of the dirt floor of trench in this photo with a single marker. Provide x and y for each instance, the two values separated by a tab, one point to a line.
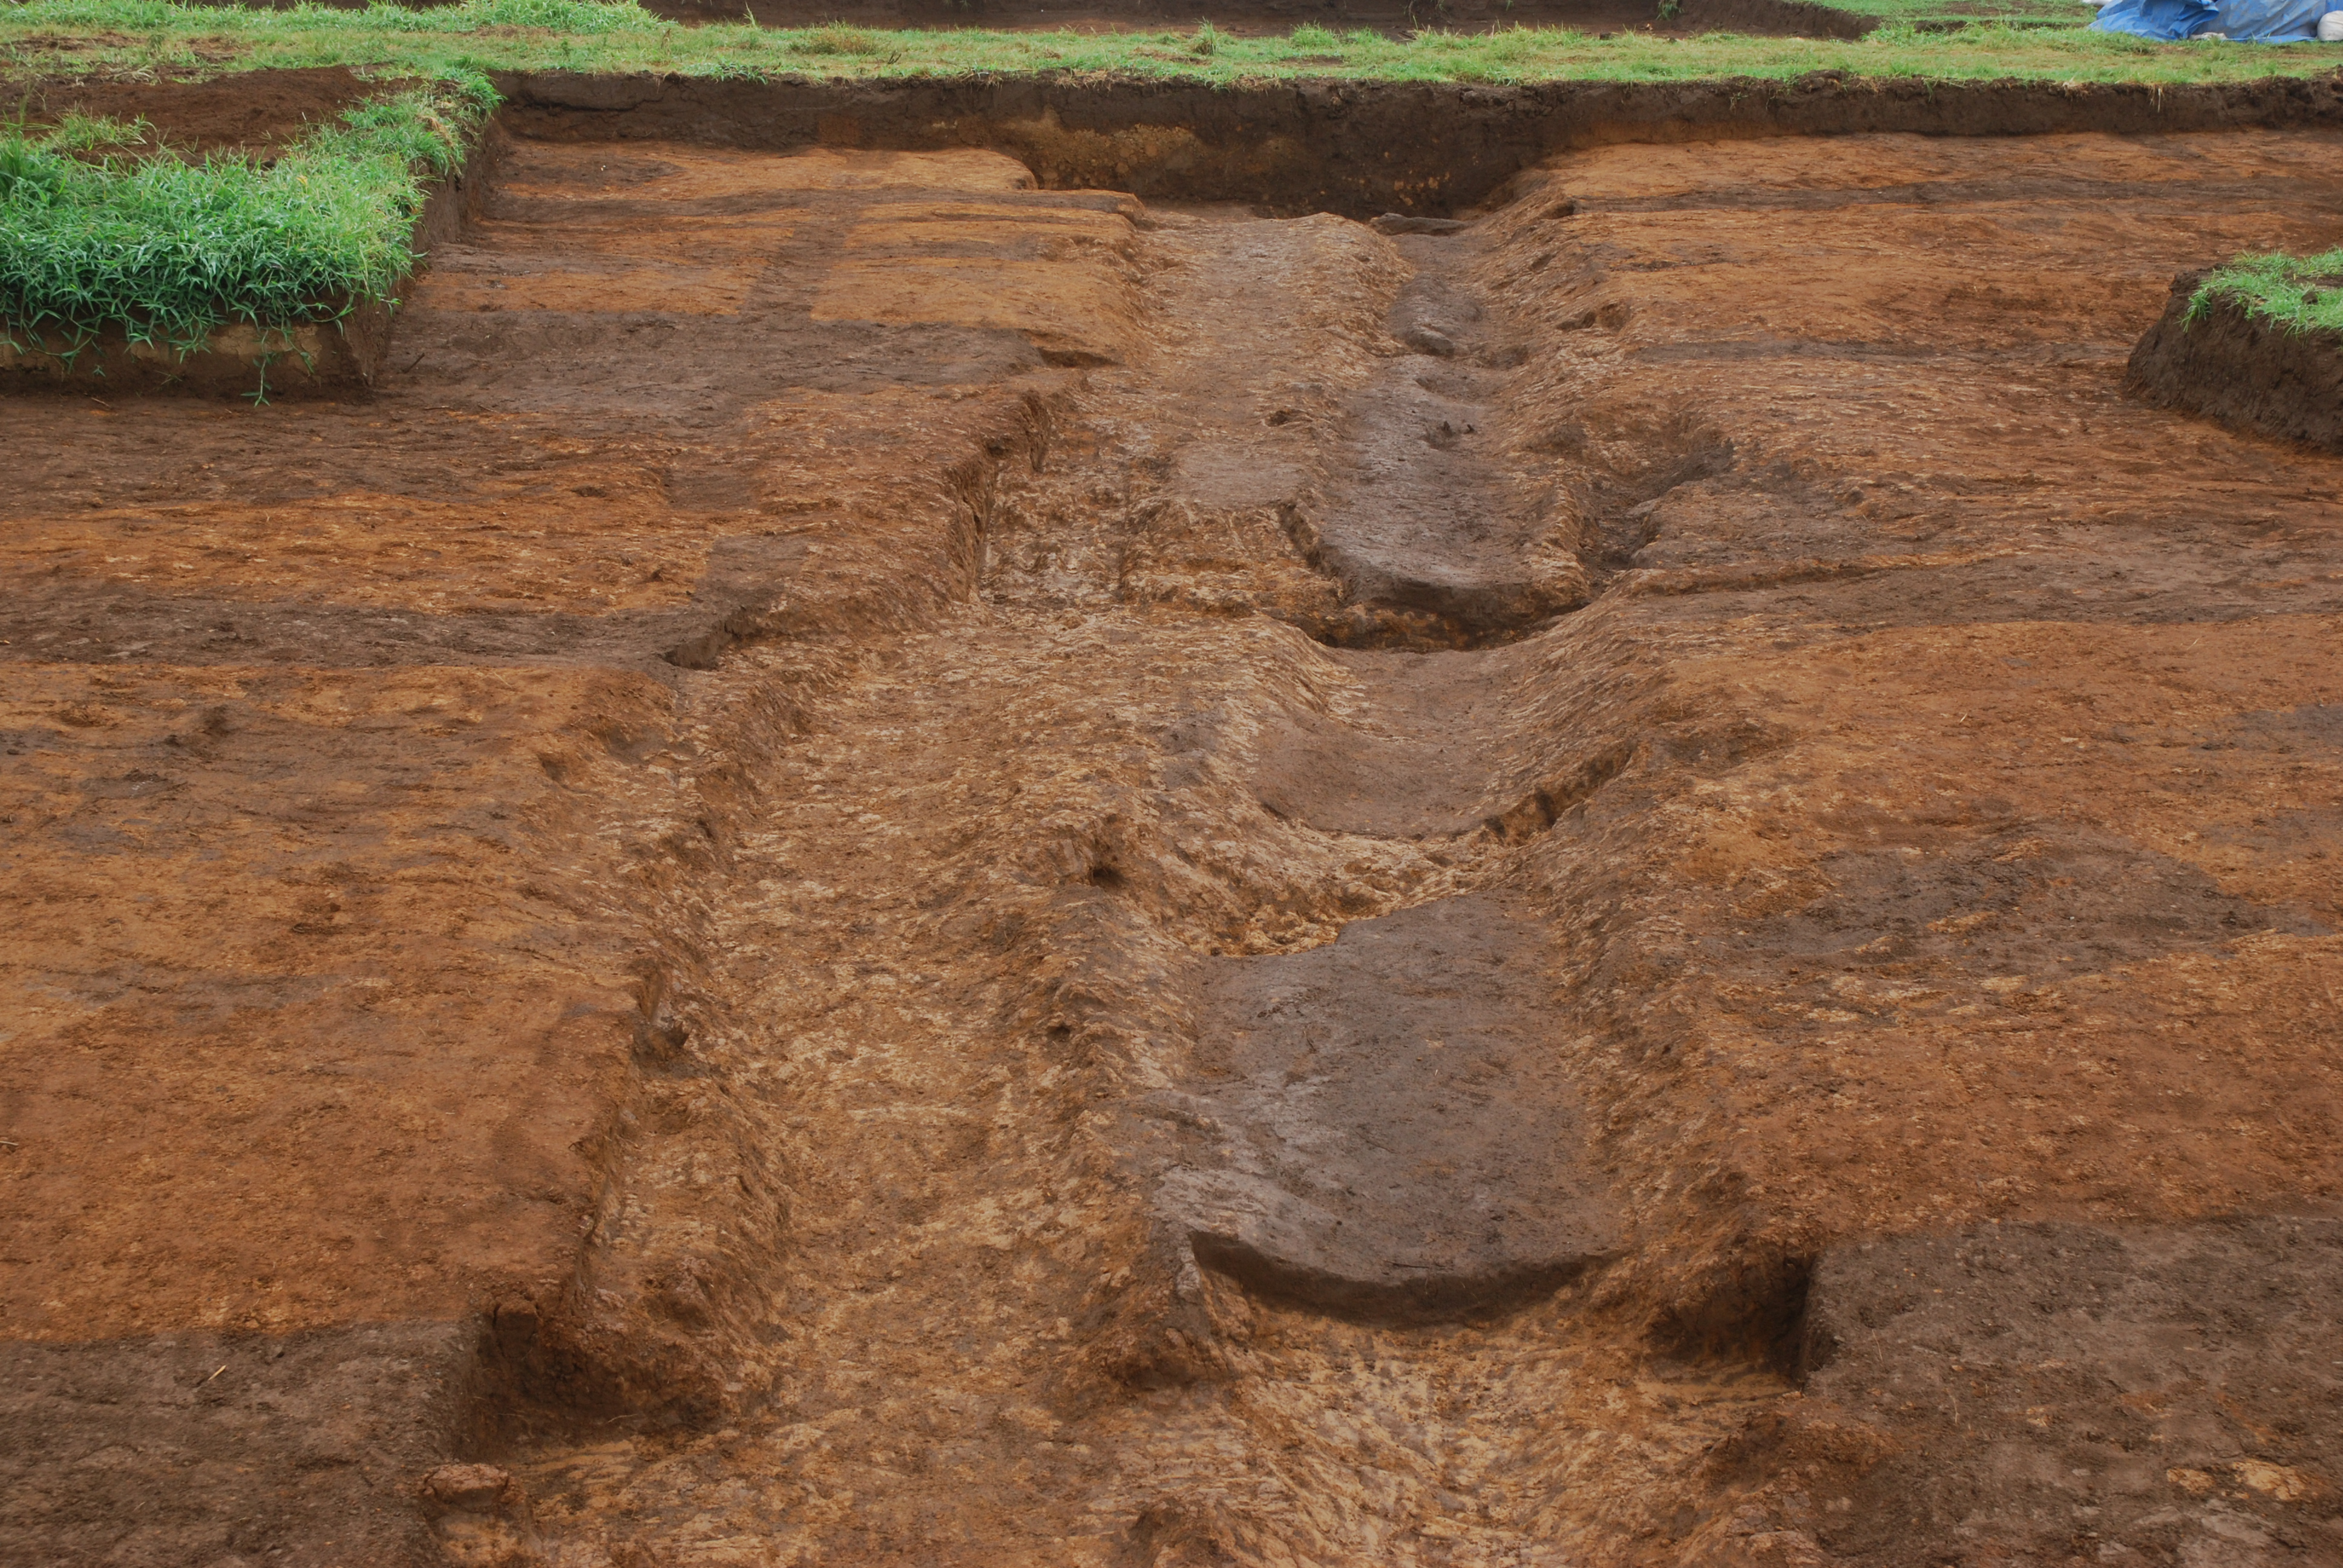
886	866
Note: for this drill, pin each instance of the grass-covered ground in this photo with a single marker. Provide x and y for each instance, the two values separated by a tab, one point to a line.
101	228
156	37
2298	292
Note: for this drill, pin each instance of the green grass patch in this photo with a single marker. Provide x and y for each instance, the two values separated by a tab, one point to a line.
2003	39
94	237
2299	293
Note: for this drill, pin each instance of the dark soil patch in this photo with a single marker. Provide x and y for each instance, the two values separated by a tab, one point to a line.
301	1448
2014	1389
257	112
2247	372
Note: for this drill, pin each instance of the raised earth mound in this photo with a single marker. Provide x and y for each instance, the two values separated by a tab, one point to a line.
2228	362
886	865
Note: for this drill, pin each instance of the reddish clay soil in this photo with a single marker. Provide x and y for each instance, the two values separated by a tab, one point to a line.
889	866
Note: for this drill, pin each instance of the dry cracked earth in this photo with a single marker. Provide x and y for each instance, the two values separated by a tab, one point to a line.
889	867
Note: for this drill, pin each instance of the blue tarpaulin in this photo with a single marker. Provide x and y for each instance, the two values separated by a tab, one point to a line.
2253	20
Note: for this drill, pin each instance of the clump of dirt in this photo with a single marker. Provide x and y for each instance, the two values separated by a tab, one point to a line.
2249	373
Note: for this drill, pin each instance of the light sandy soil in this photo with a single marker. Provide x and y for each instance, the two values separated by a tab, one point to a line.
888	868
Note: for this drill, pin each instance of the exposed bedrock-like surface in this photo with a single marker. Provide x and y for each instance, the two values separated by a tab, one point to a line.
1378	1133
792	829
1431	543
1416	764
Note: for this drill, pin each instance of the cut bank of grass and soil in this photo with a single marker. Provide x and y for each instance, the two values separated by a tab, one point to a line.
2256	344
2297	292
152	38
105	231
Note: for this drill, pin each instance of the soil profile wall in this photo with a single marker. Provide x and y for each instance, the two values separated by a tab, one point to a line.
1772	19
1765	18
1357	148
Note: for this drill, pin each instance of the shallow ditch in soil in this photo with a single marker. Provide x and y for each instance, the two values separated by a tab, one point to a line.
896	861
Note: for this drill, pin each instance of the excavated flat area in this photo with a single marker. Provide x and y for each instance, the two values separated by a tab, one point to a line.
889	866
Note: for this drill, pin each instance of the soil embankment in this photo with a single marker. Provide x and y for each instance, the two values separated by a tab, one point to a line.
2248	372
890	866
1763	19
1362	148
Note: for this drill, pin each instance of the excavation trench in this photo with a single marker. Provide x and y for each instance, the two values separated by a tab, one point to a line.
1150	880
1171	964
1200	1043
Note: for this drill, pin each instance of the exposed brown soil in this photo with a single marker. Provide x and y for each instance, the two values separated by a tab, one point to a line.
2247	372
2035	1393
236	360
198	1446
886	866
